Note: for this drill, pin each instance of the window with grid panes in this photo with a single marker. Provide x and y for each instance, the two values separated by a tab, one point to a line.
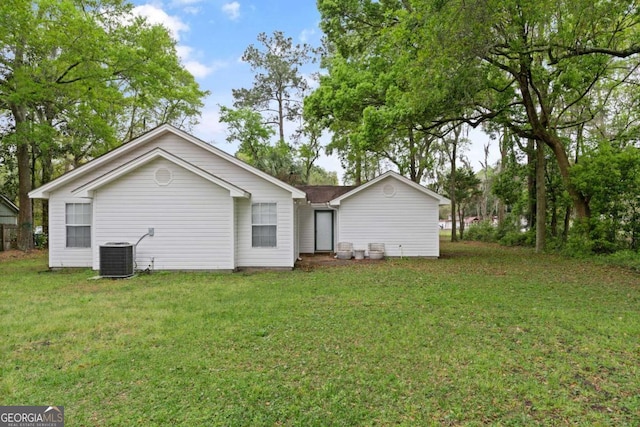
78	222
264	219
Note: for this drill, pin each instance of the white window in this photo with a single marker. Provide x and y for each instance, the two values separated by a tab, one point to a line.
264	219
78	221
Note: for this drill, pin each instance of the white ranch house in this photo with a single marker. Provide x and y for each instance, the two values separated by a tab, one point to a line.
203	209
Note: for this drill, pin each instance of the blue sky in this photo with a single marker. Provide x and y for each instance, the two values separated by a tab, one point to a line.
211	36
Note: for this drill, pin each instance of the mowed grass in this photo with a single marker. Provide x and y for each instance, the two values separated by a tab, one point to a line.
484	335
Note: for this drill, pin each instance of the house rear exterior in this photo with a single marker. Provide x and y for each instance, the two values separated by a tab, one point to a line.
207	210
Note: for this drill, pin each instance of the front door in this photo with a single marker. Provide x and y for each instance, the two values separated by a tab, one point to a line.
324	231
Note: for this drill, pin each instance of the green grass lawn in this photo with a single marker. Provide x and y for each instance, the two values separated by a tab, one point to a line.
484	335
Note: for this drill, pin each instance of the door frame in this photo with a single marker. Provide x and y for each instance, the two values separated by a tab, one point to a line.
315	230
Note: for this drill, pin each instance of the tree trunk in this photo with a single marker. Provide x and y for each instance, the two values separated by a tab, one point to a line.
461	219
358	177
579	202
541	199
532	172
47	173
452	191
567	223
25	216
280	119
542	133
501	208
413	173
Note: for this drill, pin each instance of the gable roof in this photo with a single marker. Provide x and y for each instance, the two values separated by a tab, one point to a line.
391	175
44	191
8	203
324	193
88	188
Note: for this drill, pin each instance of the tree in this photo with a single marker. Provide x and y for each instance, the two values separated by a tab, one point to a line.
278	87
609	178
338	105
309	146
246	127
465	190
365	98
68	68
451	145
320	176
540	69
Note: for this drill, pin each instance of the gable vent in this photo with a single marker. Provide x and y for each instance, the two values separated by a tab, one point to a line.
163	176
389	190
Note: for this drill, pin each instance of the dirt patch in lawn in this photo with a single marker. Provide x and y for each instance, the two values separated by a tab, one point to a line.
309	261
15	254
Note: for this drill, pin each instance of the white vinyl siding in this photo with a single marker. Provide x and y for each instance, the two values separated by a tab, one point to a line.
264	225
306	229
234	236
78	225
281	255
191	218
59	254
405	220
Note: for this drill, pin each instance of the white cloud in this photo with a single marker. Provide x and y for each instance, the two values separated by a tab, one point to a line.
198	69
192	10
156	15
184	2
312	81
232	10
306	34
184	52
189	58
211	130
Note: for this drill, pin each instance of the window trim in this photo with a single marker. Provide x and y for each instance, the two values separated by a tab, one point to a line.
266	224
89	225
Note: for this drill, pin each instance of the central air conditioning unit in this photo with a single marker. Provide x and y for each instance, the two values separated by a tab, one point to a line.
116	260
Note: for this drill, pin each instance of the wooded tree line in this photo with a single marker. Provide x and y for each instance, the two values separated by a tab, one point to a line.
555	82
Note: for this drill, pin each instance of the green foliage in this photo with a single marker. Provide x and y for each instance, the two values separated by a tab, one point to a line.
484	231
319	176
543	70
510	233
41	240
518	238
466	186
78	78
626	258
246	127
609	177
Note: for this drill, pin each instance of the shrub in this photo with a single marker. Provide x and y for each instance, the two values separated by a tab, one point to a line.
628	259
40	240
483	231
519	238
